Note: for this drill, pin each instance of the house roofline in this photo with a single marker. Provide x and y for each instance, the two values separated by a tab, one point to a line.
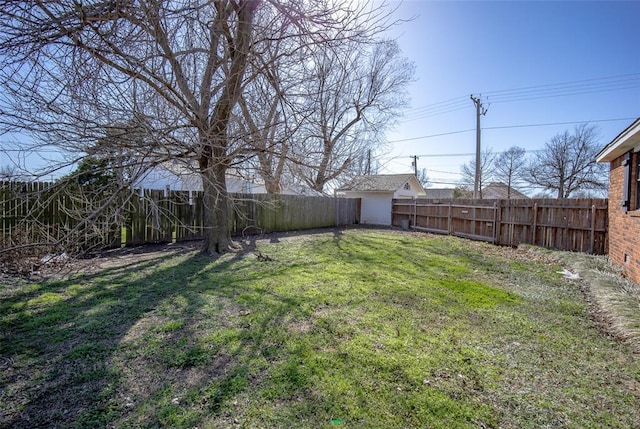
421	190
409	176
622	143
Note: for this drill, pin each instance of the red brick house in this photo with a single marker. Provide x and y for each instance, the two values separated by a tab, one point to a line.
623	156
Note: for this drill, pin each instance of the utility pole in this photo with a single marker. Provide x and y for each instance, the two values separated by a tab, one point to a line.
480	111
414	163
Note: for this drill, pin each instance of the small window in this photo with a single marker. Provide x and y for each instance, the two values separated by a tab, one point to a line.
407	187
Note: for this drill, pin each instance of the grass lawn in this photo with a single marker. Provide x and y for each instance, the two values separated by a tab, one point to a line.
356	329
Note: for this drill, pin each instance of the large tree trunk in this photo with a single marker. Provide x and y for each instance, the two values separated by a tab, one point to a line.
271	175
213	160
272	185
561	188
217	238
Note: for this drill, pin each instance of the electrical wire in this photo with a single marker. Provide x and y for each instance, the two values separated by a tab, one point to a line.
439	104
443	172
555	123
624	79
435	113
430	136
534	92
559	94
510	126
438	108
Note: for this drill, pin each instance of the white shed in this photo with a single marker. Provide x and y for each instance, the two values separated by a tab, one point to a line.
377	192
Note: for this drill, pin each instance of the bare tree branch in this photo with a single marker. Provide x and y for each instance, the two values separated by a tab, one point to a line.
72	70
568	163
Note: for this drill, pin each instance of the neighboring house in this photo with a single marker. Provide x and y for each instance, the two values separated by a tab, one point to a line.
171	177
377	192
623	156
500	191
439	193
493	191
178	177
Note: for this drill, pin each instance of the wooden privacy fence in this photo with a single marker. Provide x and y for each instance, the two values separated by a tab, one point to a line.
37	212
578	225
158	216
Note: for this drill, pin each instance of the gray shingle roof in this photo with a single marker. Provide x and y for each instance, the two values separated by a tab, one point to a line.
378	183
439	193
499	191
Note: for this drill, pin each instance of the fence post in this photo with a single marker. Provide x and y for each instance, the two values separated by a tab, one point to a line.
449	219
415	212
474	222
496	220
125	235
593	229
535	224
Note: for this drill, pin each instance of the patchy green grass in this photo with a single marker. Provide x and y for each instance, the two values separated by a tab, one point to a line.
353	328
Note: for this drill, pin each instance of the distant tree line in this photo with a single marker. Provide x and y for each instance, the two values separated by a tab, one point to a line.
566	167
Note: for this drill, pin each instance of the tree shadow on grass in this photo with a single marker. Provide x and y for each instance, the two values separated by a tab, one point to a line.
164	342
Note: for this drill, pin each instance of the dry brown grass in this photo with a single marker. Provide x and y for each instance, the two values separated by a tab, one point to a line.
615	301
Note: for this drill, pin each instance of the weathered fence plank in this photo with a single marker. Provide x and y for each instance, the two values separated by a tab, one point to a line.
32	213
567	224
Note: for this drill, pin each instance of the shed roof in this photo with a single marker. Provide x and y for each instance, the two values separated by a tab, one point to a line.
377	183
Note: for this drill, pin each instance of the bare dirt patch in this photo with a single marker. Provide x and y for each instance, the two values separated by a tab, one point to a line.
60	268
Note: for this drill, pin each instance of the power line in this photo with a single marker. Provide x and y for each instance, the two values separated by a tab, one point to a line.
450	155
432	114
511	126
560	94
432	135
556	123
567	83
440	104
587	86
442	155
533	92
442	172
435	110
447	155
438	182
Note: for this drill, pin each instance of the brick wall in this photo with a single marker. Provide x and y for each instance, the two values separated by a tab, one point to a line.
624	228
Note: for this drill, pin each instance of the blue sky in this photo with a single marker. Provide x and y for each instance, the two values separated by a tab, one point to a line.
480	48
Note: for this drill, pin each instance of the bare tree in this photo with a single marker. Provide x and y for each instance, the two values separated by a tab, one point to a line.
8	172
568	163
69	69
509	167
468	171
423	177
353	95
266	119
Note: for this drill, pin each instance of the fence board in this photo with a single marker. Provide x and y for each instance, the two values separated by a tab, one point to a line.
578	225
